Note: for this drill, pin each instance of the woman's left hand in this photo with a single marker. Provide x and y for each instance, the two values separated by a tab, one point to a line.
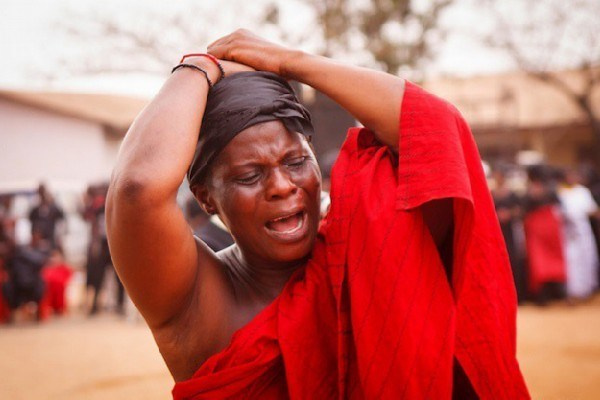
242	46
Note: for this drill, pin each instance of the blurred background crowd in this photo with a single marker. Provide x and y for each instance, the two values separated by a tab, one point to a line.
550	220
34	275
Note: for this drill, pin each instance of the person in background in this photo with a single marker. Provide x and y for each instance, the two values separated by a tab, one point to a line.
25	284
543	237
56	274
93	201
326	164
578	206
508	209
98	252
592	181
7	247
203	227
45	216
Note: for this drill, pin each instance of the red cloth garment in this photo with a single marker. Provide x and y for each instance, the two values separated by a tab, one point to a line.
56	278
372	315
544	242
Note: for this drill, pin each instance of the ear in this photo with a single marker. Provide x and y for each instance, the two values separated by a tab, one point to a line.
205	199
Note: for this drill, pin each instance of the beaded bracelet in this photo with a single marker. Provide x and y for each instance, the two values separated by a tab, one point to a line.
183	65
211	58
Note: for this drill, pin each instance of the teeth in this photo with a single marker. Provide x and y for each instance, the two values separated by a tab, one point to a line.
299	223
282	218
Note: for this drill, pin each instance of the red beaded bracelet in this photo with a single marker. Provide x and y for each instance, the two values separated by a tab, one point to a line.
210	57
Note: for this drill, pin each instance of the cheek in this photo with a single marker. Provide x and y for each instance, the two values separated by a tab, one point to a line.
238	206
309	178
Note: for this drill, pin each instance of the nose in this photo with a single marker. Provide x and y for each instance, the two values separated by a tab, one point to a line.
280	185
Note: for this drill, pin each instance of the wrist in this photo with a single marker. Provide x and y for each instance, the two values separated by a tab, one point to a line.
207	65
291	67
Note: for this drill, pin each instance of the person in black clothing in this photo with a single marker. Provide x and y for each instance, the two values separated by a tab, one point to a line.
45	216
508	209
99	259
25	283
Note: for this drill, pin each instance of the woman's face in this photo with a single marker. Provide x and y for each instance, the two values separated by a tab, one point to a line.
266	186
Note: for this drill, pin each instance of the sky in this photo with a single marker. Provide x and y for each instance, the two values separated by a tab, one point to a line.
35	44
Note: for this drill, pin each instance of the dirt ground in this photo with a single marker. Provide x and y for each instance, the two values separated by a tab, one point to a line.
107	357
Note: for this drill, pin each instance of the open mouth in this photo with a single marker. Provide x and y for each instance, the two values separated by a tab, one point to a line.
288	227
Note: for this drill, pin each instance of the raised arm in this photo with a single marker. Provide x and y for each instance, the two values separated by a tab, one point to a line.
151	244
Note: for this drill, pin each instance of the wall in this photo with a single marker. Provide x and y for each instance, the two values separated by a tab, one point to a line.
38	145
66	153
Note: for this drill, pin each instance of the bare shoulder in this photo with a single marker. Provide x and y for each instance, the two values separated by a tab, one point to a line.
204	327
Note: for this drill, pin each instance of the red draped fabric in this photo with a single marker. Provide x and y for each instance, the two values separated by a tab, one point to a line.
372	315
544	242
56	278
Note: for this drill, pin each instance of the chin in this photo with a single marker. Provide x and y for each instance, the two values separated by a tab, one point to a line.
294	254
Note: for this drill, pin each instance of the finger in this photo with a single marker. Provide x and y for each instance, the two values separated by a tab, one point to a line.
218	51
221	40
227	39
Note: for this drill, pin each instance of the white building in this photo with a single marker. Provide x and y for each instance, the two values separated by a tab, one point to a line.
68	141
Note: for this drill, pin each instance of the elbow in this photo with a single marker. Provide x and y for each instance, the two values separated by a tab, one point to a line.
126	190
126	187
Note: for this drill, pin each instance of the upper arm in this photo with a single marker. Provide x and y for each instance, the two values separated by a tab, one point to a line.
153	250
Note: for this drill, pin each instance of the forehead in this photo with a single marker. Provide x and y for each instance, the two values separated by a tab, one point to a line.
264	142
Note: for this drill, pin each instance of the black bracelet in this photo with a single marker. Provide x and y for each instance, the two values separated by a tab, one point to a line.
222	71
183	65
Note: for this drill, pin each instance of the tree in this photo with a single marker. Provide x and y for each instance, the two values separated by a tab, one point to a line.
551	35
145	39
398	34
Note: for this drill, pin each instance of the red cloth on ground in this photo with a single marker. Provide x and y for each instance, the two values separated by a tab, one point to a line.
57	278
373	315
544	242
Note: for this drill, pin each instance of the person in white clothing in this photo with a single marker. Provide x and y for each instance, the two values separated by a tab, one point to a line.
582	256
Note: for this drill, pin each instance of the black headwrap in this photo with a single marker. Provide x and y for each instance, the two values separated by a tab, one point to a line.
238	102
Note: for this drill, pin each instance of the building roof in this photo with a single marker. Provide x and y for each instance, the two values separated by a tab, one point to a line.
112	111
510	99
513	99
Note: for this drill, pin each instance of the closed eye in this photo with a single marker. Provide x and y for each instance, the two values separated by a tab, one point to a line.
296	162
248	179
